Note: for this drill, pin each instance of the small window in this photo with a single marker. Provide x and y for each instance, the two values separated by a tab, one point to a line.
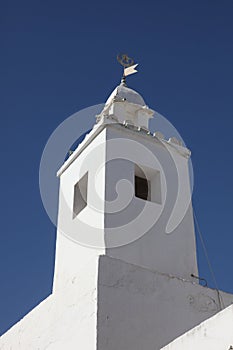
80	195
142	188
147	184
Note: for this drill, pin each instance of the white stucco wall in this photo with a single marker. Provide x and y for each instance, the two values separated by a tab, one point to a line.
87	229
215	334
64	320
143	309
112	305
173	252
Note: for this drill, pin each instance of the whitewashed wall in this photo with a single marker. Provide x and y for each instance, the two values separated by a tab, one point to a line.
143	309
113	305
87	229
213	334
64	320
173	253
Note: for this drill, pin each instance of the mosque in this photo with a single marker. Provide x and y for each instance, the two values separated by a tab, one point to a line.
126	274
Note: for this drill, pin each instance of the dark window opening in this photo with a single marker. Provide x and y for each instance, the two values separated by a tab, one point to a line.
80	195
141	188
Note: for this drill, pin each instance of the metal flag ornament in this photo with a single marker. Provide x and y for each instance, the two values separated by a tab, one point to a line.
128	64
130	70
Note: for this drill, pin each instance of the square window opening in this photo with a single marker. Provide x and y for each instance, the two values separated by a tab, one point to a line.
80	195
142	188
147	184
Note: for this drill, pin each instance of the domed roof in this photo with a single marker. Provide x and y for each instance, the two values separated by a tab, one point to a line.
122	92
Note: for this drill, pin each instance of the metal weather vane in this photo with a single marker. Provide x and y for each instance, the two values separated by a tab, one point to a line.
128	64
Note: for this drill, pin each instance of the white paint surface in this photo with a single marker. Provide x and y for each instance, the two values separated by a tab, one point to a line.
124	93
173	253
65	320
112	305
88	227
214	334
143	309
127	105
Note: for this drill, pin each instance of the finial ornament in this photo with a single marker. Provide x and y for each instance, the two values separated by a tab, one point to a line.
125	60
128	64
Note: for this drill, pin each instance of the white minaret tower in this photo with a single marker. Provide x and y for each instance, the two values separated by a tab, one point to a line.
125	248
117	194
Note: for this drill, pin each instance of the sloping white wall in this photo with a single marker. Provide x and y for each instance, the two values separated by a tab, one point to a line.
114	305
65	320
143	309
213	334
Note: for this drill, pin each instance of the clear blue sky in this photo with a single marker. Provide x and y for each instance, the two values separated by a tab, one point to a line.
185	53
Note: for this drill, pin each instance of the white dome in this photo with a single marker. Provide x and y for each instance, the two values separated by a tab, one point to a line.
122	92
